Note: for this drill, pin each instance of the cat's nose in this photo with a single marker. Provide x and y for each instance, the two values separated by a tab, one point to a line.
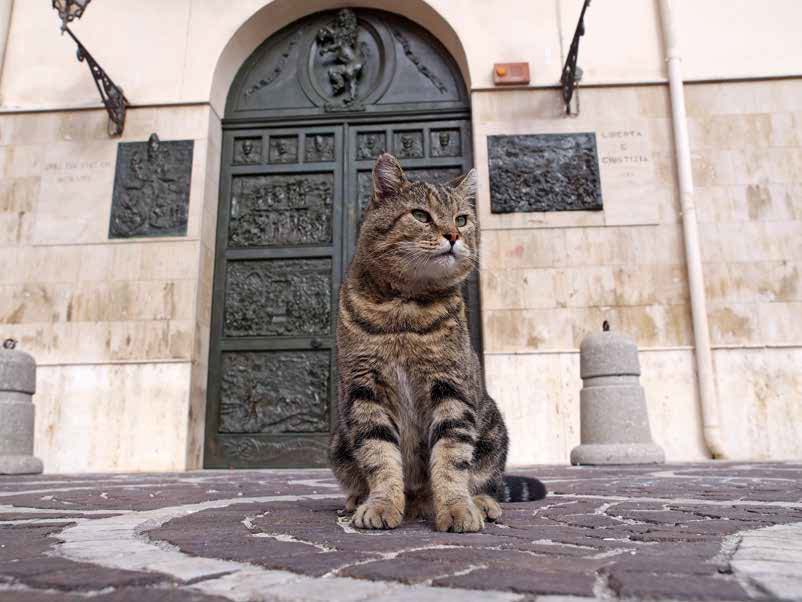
452	237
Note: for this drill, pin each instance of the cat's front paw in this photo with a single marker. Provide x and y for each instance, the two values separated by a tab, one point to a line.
489	507
377	514
460	517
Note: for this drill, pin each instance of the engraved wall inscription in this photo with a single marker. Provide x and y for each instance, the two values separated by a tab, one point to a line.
278	297
281	210
544	172
275	392
151	188
625	155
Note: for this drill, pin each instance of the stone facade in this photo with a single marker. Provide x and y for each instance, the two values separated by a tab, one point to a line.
114	324
549	279
120	328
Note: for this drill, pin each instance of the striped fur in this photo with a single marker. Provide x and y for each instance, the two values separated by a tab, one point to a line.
417	434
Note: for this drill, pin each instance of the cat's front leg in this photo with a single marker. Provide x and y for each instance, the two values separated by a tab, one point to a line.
452	437
376	449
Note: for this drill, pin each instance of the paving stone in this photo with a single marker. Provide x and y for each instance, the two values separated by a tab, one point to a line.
129	594
519	581
638	532
680	587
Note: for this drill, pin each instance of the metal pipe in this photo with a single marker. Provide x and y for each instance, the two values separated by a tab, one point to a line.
5	27
693	257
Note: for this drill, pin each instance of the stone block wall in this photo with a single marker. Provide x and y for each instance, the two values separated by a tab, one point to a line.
550	278
118	327
121	328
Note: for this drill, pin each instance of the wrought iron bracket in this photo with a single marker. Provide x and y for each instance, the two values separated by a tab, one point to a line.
571	73
112	95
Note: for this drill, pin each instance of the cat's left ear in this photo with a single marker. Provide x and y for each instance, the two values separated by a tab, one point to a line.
465	186
388	177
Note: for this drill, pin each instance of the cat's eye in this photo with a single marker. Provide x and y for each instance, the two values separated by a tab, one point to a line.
421	216
461	220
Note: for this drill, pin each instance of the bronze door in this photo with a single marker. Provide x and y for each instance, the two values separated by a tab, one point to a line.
305	117
292	203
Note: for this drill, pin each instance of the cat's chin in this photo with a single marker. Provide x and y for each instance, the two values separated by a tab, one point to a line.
445	266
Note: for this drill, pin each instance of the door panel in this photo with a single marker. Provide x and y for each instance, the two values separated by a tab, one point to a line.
277	271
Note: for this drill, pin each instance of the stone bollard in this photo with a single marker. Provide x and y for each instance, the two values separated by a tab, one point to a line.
17	385
613	416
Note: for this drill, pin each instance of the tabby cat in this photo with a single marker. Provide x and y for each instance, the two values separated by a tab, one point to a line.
417	434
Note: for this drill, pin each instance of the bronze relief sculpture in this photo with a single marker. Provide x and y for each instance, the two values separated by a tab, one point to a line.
341	41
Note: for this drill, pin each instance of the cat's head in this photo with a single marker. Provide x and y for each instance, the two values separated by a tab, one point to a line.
419	237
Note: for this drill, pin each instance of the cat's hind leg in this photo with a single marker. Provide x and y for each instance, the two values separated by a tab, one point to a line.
347	471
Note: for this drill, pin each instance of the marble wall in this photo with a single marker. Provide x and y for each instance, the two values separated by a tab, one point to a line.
549	279
188	50
119	327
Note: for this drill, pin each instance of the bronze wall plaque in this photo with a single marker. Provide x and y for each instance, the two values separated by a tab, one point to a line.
544	172
151	188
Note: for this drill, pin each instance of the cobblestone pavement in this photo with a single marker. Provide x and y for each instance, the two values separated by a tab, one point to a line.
686	532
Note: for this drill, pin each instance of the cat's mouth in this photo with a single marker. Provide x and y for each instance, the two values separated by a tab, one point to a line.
446	257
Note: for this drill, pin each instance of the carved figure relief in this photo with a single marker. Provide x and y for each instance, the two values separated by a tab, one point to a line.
319	147
275	392
340	40
370	145
544	172
281	210
408	145
445	143
151	188
433	175
314	451
278	297
248	151
347	60
284	149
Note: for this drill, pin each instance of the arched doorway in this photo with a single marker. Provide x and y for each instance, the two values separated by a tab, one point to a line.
305	117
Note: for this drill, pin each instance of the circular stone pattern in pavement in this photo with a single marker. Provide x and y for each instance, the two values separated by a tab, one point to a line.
692	532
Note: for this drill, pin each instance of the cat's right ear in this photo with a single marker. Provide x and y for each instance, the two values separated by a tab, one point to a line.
388	177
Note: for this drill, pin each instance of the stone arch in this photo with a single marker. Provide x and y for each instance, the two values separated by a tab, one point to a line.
233	435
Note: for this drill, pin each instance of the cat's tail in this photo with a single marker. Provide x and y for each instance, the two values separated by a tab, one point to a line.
522	489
